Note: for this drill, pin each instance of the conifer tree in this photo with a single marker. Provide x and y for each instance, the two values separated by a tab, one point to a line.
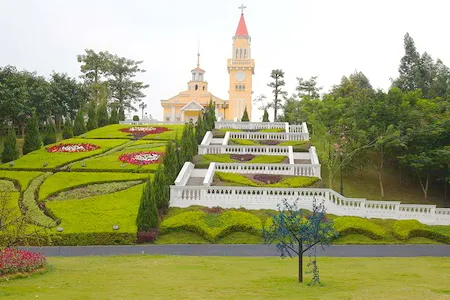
10	151
170	163
121	114
32	137
178	156
265	116
245	116
49	136
79	126
67	132
114	115
199	130
193	140
147	217
102	114
161	188
92	122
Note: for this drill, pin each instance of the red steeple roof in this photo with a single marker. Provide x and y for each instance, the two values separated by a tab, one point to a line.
242	28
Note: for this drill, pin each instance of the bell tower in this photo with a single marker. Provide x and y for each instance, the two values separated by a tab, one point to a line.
241	68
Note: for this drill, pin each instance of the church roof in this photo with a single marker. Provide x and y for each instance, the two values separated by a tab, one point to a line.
193	105
242	28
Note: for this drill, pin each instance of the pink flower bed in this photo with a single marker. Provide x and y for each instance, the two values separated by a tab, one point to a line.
141	158
142	131
14	261
84	147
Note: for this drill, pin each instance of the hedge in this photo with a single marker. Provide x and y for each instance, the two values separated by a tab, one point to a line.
406	229
288	182
113	131
213	226
23	178
355	225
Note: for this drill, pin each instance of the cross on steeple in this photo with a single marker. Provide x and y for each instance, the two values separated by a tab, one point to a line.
242	8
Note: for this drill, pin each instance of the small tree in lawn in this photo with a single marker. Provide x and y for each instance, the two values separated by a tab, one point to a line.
92	122
67	132
32	137
10	151
296	231
199	130
161	188
114	119
193	139
79	127
49	133
170	163
265	116
102	114
147	218
245	116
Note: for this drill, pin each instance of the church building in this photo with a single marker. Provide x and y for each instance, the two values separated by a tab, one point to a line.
190	103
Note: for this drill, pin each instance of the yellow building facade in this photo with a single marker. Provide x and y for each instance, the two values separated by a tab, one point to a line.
189	104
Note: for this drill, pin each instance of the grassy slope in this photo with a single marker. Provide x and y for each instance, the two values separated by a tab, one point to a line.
99	213
64	180
37	158
175	277
113	131
24	178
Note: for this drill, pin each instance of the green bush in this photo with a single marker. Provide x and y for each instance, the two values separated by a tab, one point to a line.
288	182
32	139
406	229
147	217
10	151
102	114
355	225
67	132
92	122
243	142
245	116
135	118
79	126
49	136
213	226
265	116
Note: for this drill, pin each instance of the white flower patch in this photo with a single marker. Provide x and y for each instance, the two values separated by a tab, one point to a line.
141	129
147	157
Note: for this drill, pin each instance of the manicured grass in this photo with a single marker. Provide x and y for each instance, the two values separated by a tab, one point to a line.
203	161
113	132
299	146
188	277
99	213
65	180
22	177
112	162
221	178
38	158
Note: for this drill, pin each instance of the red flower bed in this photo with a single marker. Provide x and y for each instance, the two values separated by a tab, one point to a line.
141	158
268	178
14	261
83	147
142	131
242	157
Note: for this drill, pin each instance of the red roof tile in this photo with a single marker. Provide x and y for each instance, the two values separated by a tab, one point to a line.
242	28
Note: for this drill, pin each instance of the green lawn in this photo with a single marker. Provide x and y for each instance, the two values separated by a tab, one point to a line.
23	178
64	180
38	158
203	161
224	178
113	132
299	146
187	277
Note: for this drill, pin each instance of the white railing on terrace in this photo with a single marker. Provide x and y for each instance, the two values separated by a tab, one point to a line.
303	128
250	125
269	198
261	136
241	149
226	138
184	174
277	169
313	154
207	138
209	177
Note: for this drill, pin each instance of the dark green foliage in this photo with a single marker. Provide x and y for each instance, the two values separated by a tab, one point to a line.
102	114
121	114
67	132
199	130
49	136
114	115
135	118
277	86
171	165
79	126
245	116
160	187
32	137
147	218
265	116
10	151
92	122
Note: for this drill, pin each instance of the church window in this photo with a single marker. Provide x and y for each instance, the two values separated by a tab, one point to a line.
203	87
196	87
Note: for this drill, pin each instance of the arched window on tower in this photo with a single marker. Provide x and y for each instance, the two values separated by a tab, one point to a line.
245	53
240	53
237	51
196	87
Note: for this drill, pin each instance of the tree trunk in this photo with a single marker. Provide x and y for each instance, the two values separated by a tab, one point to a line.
380	180
300	263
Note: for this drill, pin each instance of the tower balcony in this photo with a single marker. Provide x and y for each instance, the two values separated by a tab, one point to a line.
240	63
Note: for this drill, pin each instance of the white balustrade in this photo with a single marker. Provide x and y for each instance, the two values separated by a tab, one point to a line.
250	125
207	138
241	149
226	138
209	177
314	159
184	174
277	169
262	136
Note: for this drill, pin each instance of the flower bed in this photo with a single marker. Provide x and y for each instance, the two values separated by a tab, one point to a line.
268	178
83	147
269	142
143	131
14	261
242	157
141	158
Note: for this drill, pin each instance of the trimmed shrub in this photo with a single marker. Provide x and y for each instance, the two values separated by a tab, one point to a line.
135	118
10	151
36	213
92	122
406	229
49	133
32	137
67	132
147	218
245	116
213	226
79	127
102	114
355	225
265	116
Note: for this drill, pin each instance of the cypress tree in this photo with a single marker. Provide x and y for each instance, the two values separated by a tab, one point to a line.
67	132
178	157
199	127
170	163
49	133
265	116
245	116
147	217
121	113
79	127
32	137
161	188
114	116
102	114
193	140
10	151
92	122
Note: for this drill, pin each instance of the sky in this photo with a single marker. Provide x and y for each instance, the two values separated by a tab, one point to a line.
304	38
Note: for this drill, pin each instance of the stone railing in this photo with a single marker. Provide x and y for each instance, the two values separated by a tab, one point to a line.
269	198
250	125
207	138
226	138
240	149
277	169
209	177
313	154
184	174
261	136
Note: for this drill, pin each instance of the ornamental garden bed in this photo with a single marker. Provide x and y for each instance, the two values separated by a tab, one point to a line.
59	154
298	146
265	180
121	131
14	261
203	161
